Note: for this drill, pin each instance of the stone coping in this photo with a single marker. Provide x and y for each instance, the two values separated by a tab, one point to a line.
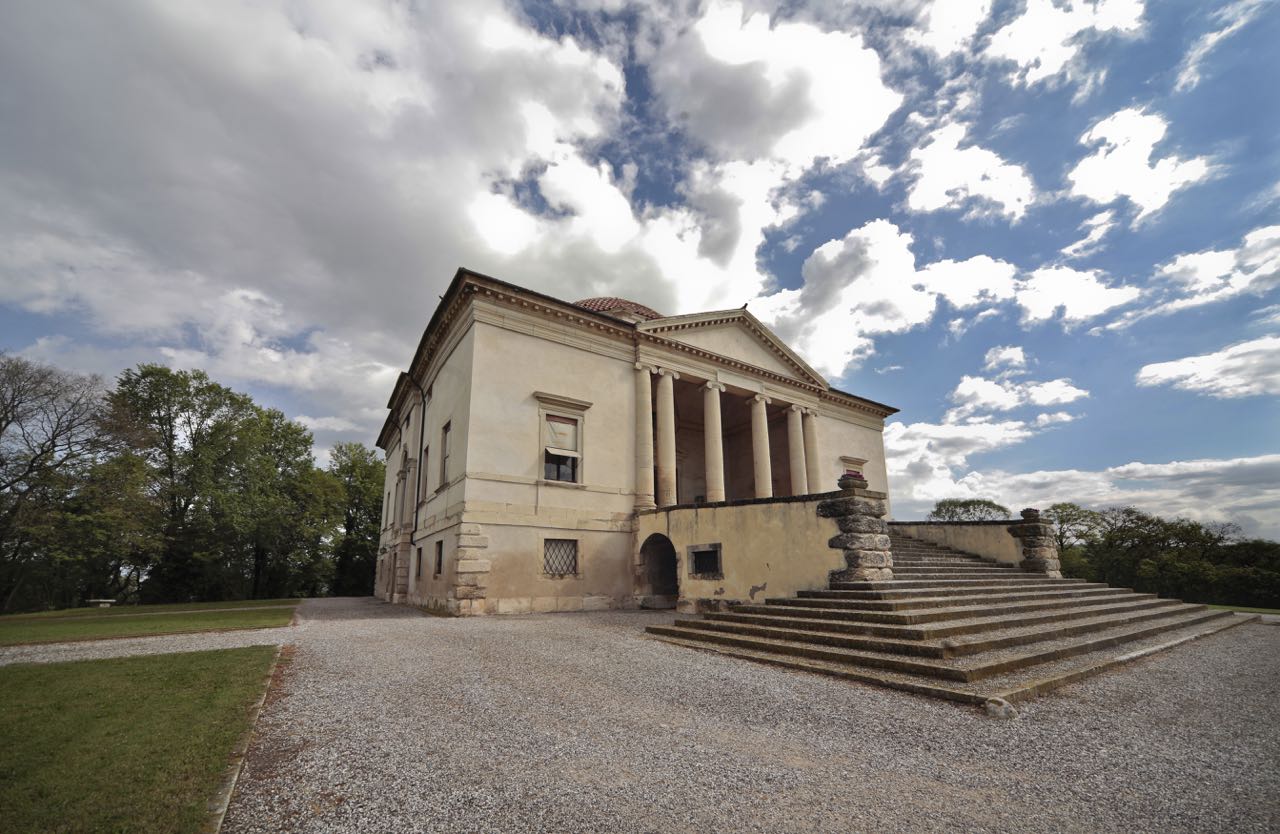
999	521
786	499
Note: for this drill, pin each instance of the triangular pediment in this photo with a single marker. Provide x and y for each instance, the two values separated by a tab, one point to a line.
738	335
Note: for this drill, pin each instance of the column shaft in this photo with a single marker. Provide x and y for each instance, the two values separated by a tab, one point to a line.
666	438
760	447
644	437
795	451
812	457
713	442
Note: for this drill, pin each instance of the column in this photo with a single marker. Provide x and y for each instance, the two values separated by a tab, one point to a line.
795	451
812	457
644	437
760	446
666	437
713	442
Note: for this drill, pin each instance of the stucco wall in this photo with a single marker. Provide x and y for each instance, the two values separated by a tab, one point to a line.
841	437
767	549
989	539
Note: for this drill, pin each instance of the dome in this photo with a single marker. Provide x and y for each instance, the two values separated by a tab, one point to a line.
610	304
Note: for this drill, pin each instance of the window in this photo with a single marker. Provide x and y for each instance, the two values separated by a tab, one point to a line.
444	455
439	557
386	510
426	456
417	573
704	561
560	557
561	450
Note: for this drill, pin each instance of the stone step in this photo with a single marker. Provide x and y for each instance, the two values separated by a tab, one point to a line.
927	600
951	574
943	590
1086	608
927	615
966	670
977	570
1075	622
1014	687
892	584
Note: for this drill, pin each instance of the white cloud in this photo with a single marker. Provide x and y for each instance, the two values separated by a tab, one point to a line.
1099	226
1244	369
867	284
1121	165
1055	417
948	26
337	424
1046	39
974	395
754	88
1232	19
1080	295
1007	358
948	176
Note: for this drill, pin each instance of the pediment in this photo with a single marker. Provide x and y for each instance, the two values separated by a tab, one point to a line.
738	335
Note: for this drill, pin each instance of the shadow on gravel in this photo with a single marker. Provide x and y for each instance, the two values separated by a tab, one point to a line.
356	608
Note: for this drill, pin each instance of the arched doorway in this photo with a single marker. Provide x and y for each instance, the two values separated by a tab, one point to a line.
659	557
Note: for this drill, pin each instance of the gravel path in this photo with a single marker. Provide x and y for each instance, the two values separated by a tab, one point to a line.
389	720
159	644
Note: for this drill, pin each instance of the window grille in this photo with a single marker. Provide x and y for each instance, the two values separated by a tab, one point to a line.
418	572
705	561
560	557
439	558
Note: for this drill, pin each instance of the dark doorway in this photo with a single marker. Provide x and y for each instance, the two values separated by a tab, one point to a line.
659	557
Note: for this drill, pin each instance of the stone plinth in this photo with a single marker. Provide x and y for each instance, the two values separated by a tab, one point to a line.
864	534
1039	547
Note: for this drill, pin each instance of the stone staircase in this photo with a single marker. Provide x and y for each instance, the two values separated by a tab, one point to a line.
953	626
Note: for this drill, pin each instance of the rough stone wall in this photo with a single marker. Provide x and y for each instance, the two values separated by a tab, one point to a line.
864	534
1039	548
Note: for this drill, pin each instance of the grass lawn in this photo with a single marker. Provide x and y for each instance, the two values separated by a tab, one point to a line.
127	610
41	630
137	744
1244	609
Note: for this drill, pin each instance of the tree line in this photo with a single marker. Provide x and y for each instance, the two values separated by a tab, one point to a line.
1177	558
169	487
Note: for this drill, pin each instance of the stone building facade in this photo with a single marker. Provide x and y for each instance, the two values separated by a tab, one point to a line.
528	435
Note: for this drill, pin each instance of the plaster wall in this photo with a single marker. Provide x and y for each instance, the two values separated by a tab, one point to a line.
734	340
840	436
772	548
989	539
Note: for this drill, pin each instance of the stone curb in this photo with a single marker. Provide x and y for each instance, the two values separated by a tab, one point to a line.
222	799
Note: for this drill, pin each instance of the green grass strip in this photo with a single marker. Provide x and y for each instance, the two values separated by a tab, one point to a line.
133	610
136	744
13	631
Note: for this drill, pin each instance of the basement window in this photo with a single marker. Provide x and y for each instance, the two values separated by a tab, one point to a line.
560	557
704	561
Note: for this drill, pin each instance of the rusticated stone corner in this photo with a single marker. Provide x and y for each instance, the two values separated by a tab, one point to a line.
863	537
1039	547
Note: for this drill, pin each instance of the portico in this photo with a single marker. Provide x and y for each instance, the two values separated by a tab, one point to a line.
700	440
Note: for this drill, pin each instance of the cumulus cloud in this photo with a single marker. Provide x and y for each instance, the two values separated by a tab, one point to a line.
949	176
975	394
867	284
1244	369
1046	39
1231	19
1078	294
1098	226
948	26
1197	279
1121	165
1005	358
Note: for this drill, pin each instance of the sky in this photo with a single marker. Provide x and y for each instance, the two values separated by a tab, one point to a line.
1048	231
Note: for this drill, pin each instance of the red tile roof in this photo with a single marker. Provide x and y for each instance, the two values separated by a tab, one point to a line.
608	303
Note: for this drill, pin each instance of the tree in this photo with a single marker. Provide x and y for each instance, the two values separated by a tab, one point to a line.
360	473
1073	525
50	425
968	509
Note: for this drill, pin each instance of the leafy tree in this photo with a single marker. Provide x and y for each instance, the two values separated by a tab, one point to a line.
360	472
50	429
1073	525
968	509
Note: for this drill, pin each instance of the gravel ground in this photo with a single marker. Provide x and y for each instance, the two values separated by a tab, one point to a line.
160	644
388	720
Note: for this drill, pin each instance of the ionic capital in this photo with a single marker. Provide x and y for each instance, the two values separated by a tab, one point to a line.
645	366
797	408
715	386
761	398
668	372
